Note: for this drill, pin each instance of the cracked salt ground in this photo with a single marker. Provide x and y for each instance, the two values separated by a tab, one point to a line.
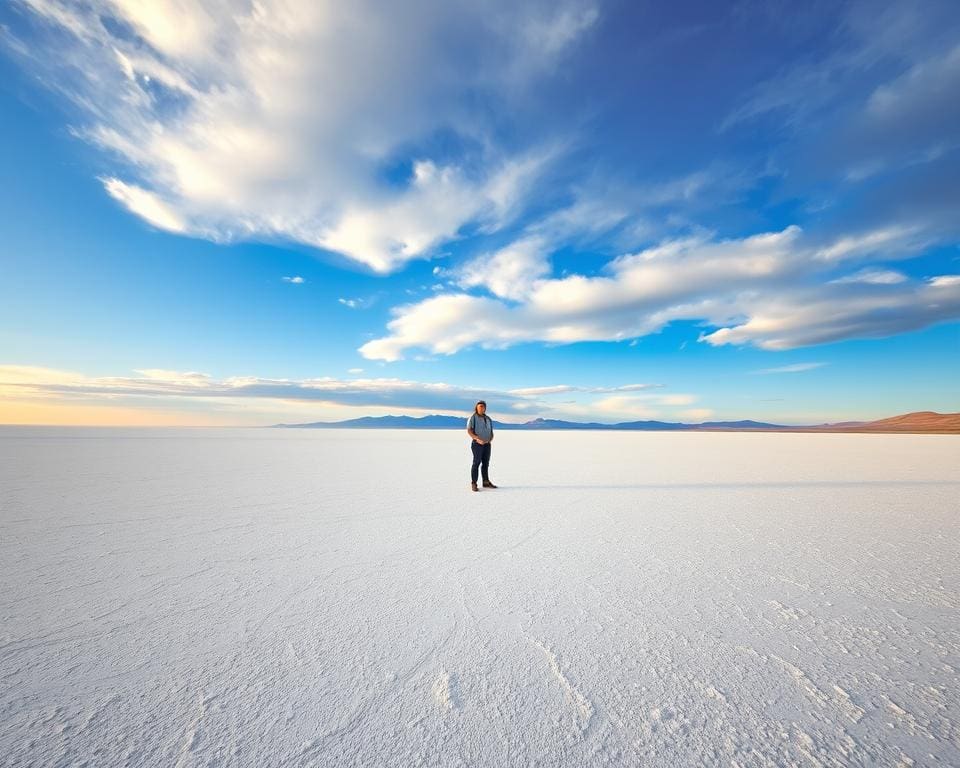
293	598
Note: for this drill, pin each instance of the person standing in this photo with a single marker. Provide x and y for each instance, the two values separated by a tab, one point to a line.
480	429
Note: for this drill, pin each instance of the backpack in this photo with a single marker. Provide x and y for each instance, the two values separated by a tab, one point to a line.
473	422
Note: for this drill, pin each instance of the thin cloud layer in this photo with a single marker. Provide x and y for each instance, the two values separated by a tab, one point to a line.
160	386
794	368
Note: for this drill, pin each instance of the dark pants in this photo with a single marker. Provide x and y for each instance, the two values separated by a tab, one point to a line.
481	460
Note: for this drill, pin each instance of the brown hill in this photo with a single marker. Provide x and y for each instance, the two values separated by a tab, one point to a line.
921	421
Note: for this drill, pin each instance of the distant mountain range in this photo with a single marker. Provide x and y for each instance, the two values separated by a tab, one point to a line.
919	422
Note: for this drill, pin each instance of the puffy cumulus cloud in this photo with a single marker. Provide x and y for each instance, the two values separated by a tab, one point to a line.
641	293
438	202
446	324
280	119
619	213
511	272
771	290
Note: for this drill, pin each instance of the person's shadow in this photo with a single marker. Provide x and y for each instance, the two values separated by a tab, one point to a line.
729	486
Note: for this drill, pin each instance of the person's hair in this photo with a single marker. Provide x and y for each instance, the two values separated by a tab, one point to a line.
479	402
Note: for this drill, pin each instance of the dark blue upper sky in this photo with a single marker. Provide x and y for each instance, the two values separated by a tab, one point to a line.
221	213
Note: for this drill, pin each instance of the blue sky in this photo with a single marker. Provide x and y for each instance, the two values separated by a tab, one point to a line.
225	214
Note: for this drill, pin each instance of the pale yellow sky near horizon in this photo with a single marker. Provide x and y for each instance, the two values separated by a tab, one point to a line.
35	396
47	413
27	398
33	413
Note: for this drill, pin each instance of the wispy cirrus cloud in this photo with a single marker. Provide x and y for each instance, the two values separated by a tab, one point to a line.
874	276
230	120
877	99
561	389
237	121
866	36
794	368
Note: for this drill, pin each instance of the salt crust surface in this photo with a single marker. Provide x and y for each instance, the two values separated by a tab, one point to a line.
245	597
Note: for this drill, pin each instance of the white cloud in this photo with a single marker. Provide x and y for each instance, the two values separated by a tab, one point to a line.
565	388
515	270
444	325
437	204
945	281
511	272
874	277
794	368
233	120
643	292
193	378
898	241
630	388
764	290
803	318
296	280
146	204
552	34
540	391
176	28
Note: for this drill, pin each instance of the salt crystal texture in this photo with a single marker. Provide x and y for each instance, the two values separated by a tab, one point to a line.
265	597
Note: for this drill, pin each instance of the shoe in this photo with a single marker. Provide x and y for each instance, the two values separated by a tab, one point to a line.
473	487
488	484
